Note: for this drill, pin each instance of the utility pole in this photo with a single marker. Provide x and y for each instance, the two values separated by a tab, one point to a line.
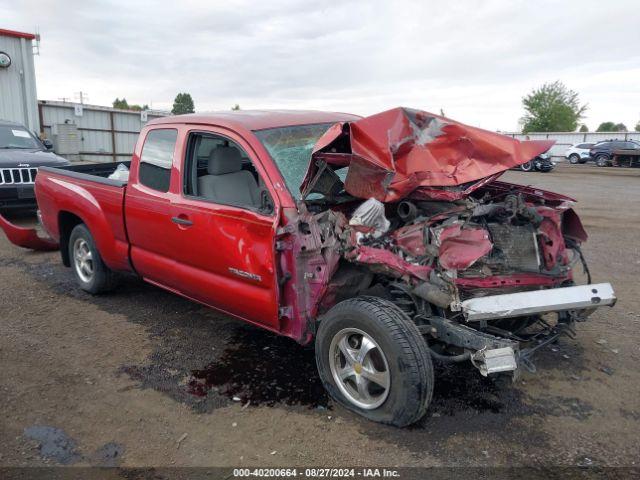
82	96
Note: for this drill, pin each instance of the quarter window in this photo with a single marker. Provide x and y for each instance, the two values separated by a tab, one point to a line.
156	159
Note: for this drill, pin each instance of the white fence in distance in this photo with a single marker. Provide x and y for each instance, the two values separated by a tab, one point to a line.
566	139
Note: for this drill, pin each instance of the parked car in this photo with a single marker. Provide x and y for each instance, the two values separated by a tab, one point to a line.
386	239
578	153
21	154
602	152
542	163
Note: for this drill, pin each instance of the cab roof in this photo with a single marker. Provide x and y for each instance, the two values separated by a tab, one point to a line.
258	119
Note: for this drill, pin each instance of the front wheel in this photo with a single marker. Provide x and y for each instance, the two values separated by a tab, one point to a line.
91	273
373	360
602	160
574	159
527	167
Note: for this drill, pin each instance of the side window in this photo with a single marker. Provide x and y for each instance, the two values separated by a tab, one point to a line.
157	158
218	170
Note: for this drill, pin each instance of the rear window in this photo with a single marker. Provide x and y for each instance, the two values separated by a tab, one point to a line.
157	158
584	145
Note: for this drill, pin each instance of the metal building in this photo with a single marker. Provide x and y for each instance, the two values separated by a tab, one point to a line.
92	133
18	99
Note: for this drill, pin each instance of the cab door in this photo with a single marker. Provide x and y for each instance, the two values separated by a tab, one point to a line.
224	249
148	205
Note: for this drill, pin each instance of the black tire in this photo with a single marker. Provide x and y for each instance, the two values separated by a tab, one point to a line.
527	167
403	347
102	279
602	160
574	159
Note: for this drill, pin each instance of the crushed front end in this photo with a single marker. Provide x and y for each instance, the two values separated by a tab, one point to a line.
486	269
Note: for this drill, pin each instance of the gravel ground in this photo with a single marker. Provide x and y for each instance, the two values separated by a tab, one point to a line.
143	378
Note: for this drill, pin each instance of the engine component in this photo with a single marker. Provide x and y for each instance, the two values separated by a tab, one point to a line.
434	294
407	211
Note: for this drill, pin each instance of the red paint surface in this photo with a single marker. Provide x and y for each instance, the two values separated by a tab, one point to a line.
26	237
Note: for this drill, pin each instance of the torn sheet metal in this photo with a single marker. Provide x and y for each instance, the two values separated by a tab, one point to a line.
462	247
403	151
26	237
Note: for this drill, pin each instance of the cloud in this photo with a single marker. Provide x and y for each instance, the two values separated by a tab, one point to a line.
474	59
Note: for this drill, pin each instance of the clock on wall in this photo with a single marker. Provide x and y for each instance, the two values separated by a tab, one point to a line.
5	60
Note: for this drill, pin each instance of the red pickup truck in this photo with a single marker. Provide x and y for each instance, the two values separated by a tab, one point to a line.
387	239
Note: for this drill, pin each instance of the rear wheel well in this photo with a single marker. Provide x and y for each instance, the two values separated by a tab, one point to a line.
66	223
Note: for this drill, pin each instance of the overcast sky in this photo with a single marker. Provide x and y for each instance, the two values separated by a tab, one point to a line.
473	59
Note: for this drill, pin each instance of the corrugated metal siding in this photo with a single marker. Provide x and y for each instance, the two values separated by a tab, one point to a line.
566	139
18	103
94	126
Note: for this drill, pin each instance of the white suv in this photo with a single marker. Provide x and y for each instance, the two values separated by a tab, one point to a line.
578	153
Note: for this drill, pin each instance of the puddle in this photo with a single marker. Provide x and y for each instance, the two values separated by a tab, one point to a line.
54	443
263	369
460	388
108	455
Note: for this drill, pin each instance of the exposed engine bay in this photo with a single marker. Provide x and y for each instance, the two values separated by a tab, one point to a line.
430	257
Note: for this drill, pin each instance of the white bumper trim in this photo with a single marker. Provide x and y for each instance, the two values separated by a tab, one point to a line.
539	301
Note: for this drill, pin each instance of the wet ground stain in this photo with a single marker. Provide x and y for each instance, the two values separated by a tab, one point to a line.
263	369
54	444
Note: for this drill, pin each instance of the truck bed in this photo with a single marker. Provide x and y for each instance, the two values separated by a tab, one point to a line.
94	172
83	194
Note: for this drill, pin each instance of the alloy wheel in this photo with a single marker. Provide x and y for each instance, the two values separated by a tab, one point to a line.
359	368
83	260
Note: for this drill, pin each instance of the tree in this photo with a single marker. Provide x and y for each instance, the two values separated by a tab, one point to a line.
611	127
117	103
183	104
583	128
122	104
139	108
235	107
552	108
637	127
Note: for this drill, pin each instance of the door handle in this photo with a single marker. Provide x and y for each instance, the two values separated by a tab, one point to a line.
182	221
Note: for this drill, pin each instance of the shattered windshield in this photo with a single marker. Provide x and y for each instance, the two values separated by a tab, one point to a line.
290	148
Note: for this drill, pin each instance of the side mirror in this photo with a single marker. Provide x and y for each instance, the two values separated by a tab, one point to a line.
48	144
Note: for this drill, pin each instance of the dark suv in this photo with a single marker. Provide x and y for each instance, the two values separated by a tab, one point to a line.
21	153
602	152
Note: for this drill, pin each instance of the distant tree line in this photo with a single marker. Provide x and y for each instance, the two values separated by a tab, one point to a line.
122	104
555	108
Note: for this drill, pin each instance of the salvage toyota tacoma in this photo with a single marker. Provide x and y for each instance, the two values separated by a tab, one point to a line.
389	240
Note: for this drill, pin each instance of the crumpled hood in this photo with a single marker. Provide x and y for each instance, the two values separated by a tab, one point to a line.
404	152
